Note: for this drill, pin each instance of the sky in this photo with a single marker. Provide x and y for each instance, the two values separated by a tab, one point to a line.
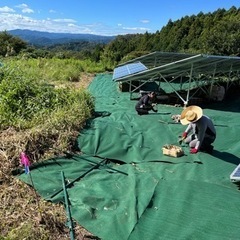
101	17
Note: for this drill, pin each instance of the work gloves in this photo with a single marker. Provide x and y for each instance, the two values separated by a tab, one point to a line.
193	150
184	135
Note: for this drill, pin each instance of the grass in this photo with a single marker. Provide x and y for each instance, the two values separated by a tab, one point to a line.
54	70
42	109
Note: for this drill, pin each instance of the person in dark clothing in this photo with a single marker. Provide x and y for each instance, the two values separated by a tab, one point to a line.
144	105
200	132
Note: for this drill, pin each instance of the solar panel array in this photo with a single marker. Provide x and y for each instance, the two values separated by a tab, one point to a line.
128	69
235	175
175	64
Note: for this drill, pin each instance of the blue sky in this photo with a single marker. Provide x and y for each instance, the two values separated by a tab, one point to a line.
101	17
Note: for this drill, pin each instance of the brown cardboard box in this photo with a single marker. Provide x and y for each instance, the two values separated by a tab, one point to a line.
172	150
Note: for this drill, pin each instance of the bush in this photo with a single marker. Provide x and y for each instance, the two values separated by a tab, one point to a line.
26	102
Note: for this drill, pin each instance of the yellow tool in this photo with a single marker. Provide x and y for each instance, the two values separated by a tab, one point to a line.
180	140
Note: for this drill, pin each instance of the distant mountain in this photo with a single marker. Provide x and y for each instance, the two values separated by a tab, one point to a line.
38	38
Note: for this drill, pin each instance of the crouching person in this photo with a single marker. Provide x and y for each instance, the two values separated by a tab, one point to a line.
144	105
200	132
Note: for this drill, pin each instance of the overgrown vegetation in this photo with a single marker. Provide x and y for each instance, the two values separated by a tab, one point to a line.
37	116
10	45
27	99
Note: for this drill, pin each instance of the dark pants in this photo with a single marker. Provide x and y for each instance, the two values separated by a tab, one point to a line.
142	111
207	141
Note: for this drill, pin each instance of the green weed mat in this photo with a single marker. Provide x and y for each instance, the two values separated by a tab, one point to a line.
139	193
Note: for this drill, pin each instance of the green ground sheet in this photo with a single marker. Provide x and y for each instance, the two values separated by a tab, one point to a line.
136	192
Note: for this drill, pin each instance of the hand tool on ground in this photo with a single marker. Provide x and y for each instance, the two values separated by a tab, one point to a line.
78	178
69	217
180	140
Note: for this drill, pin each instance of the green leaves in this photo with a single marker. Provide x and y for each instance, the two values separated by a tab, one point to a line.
25	101
10	45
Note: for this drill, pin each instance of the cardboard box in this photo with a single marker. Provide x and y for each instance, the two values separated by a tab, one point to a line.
172	150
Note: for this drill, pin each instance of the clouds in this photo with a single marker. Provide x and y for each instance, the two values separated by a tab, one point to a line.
24	8
6	9
64	20
23	16
144	21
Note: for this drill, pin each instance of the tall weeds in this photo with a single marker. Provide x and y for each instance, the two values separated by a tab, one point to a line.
27	101
41	113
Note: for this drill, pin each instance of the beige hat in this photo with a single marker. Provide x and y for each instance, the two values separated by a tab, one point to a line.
190	114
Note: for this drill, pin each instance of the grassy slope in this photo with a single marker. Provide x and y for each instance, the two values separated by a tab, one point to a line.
24	215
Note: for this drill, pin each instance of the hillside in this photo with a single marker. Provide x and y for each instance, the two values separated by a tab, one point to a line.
47	38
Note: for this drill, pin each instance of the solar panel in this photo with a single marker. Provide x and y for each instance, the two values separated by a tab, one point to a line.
128	69
235	175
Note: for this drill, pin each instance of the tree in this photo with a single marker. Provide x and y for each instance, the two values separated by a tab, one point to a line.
10	45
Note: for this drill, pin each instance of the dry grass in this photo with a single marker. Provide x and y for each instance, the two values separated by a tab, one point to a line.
24	214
